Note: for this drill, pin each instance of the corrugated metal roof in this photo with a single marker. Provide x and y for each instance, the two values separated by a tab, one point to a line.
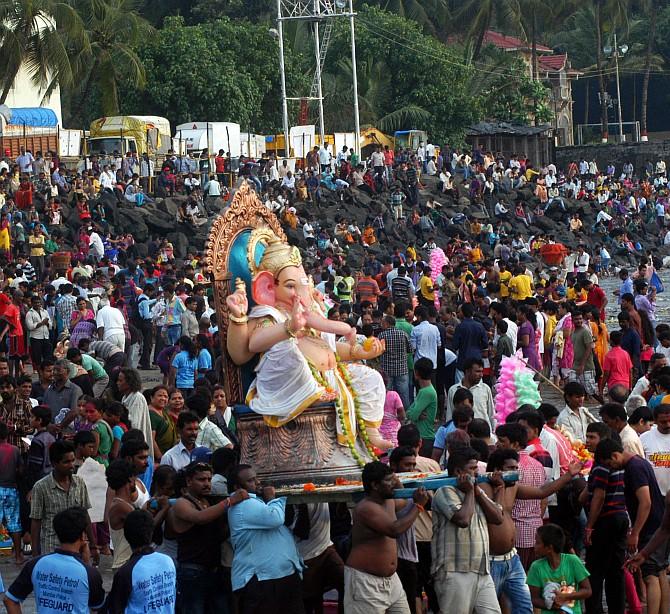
490	128
503	41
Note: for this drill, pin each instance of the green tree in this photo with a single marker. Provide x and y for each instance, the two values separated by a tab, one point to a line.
433	16
29	36
662	40
585	34
218	71
113	30
155	11
500	83
402	73
374	83
609	14
253	10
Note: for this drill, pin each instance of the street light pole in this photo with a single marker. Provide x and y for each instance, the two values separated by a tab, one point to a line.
282	70
618	89
354	74
319	90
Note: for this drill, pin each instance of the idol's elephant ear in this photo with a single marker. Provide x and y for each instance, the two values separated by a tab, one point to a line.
263	289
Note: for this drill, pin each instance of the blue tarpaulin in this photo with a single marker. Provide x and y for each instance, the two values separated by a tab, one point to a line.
36	117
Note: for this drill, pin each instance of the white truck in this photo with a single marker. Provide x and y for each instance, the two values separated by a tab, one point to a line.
197	136
252	145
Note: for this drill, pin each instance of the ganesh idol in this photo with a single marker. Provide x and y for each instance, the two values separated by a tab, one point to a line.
302	363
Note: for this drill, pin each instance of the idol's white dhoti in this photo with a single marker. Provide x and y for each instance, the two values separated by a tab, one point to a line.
285	386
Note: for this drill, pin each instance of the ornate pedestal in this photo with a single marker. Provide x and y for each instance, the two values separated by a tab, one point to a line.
304	450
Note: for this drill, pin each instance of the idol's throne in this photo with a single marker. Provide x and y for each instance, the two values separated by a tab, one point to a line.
306	449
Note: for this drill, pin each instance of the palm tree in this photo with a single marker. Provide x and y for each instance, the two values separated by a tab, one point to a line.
432	15
602	83
609	14
114	28
651	9
374	85
35	34
476	17
576	38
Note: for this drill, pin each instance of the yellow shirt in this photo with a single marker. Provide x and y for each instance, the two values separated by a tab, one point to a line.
36	245
505	277
476	254
571	295
521	287
530	173
411	253
549	328
426	288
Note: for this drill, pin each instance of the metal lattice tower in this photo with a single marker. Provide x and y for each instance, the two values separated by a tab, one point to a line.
318	12
323	50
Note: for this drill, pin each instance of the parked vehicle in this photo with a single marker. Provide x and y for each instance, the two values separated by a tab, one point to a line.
36	129
198	136
130	133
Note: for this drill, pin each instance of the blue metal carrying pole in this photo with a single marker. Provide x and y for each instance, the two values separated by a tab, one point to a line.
510	477
356	492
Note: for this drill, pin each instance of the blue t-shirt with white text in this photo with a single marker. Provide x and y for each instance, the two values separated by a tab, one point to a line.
146	584
62	582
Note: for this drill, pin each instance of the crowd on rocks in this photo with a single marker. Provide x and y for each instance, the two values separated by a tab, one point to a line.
438	253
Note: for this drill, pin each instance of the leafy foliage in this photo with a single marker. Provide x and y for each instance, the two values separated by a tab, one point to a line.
216	71
29	36
418	82
113	29
405	83
506	91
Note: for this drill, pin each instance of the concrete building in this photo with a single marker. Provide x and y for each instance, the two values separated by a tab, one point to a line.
555	71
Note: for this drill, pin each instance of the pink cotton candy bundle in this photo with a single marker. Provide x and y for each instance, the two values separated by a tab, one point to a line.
436	261
508	394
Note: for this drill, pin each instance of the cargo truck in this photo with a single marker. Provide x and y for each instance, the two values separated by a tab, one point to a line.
130	133
36	129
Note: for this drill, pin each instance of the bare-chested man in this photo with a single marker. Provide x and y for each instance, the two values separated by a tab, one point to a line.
371	584
507	571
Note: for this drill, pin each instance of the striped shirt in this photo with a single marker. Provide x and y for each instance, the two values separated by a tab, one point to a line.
612	483
400	288
454	548
367	289
393	361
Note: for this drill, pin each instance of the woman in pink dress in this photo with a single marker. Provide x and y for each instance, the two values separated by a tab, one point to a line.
563	353
394	415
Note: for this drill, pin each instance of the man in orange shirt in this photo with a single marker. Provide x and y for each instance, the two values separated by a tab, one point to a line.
367	289
389	158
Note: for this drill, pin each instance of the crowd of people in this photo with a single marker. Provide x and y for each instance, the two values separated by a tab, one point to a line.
95	463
